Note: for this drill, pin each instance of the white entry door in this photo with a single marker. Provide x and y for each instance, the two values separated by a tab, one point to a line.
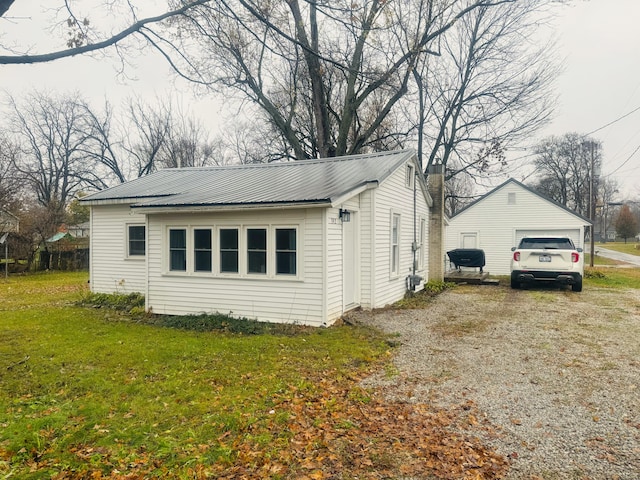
350	264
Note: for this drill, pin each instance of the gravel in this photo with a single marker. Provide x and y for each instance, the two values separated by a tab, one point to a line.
555	374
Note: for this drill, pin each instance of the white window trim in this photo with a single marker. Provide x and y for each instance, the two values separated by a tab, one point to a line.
127	255
217	264
242	273
395	273
410	174
191	232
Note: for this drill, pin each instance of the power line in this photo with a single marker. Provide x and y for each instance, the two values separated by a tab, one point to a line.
612	122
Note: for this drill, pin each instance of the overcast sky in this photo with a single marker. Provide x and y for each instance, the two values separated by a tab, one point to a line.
599	41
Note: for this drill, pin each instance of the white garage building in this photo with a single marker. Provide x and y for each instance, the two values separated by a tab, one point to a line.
499	219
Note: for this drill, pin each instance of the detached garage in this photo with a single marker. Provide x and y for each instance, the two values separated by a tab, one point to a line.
498	220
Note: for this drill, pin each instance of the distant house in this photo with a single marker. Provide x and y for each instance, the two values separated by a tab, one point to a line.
299	242
498	220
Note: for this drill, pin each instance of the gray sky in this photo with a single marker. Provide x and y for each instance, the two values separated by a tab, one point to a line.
599	41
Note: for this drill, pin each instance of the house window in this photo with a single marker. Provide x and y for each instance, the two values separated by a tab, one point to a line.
202	250
178	250
511	198
285	251
257	250
395	245
228	250
136	240
421	235
409	176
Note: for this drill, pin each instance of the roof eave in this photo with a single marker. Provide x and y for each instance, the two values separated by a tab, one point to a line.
149	209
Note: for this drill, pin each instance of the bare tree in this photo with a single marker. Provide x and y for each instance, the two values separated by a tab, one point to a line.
627	224
51	136
328	76
488	87
9	180
568	169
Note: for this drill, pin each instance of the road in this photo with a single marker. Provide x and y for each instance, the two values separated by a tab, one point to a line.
622	257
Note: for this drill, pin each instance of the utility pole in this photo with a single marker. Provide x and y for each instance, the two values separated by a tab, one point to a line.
592	203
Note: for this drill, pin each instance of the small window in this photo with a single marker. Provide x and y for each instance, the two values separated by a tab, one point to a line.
229	250
137	241
409	177
395	245
257	250
285	251
178	250
421	236
202	250
511	198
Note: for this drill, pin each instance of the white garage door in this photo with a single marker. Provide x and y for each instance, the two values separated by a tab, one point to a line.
574	234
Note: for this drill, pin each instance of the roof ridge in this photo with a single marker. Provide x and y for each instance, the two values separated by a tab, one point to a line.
305	161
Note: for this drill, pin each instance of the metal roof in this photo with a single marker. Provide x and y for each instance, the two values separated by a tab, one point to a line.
321	181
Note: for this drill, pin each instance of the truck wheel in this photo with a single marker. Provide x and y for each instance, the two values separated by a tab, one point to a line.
577	287
514	283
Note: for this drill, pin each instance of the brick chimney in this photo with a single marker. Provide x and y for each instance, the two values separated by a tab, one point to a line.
435	181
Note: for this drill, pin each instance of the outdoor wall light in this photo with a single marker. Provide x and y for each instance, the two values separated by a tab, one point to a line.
345	215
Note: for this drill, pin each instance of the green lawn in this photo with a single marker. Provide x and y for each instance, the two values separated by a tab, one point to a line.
87	391
629	247
90	392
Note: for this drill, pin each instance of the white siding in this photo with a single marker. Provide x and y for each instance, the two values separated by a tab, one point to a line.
277	299
333	255
495	221
110	269
392	196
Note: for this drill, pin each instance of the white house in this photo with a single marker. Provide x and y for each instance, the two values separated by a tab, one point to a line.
299	242
499	219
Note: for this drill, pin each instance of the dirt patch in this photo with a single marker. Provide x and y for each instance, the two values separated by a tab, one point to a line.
554	373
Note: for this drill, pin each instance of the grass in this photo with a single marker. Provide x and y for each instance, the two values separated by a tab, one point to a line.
630	247
612	277
89	391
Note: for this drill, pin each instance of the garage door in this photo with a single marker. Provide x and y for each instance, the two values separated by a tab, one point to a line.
574	234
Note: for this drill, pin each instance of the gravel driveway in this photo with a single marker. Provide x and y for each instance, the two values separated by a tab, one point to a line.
555	374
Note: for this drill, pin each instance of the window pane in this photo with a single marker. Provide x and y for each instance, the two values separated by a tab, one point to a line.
229	262
178	260
178	238
229	238
136	240
202	239
257	239
229	250
285	239
286	263
257	262
202	250
178	250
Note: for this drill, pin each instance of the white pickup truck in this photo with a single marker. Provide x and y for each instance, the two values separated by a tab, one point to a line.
547	259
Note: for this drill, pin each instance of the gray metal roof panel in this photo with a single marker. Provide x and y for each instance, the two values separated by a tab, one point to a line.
304	181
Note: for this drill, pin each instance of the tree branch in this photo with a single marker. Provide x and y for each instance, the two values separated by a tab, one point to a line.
135	28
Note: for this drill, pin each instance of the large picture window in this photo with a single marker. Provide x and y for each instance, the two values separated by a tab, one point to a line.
136	240
202	250
177	250
286	251
257	250
228	250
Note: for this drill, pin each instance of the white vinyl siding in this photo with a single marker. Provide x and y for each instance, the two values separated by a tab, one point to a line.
392	197
278	298
112	268
497	218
